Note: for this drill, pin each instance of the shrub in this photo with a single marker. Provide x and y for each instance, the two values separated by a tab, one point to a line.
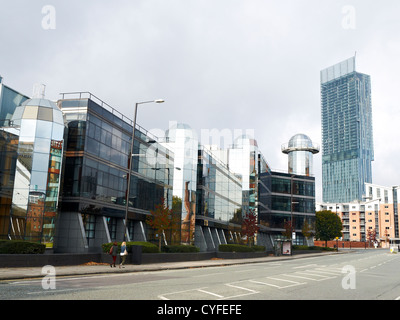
303	247
258	248
147	247
21	247
235	248
179	249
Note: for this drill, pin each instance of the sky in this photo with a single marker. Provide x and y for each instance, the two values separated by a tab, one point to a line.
228	65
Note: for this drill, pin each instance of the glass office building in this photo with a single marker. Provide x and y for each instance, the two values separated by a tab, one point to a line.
286	197
219	202
37	132
96	171
10	99
183	141
347	141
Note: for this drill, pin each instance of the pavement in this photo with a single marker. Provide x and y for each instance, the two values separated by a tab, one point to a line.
97	268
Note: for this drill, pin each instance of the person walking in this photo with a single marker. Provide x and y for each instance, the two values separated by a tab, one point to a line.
124	253
114	252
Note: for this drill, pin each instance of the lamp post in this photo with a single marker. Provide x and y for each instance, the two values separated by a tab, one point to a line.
128	189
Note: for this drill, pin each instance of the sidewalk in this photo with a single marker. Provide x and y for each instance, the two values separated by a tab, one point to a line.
36	272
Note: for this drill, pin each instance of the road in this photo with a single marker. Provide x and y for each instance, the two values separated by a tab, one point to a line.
362	274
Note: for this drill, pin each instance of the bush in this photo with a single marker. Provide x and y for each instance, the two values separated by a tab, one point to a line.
21	247
179	249
235	248
147	247
258	248
298	247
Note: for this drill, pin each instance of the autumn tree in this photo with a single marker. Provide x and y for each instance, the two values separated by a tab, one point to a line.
161	219
289	228
249	225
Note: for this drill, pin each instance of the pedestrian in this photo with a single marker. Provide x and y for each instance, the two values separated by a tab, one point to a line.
124	253
113	252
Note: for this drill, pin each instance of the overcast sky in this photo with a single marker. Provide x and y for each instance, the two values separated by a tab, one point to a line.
219	64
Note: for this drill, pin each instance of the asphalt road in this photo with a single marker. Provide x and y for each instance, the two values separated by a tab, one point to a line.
359	275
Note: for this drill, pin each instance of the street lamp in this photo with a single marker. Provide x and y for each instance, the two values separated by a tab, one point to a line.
128	189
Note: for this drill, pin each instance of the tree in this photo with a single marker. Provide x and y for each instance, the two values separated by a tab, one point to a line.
288	226
249	225
327	226
371	236
307	230
161	219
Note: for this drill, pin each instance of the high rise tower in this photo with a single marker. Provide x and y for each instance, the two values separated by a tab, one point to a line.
347	142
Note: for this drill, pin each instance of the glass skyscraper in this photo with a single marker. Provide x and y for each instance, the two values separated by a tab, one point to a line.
347	142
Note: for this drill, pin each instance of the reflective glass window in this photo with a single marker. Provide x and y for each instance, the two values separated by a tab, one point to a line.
28	128
40	162
18	112
42	145
45	114
43	129
58	132
30	112
38	181
58	117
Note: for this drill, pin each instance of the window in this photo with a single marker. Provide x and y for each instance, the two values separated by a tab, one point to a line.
89	223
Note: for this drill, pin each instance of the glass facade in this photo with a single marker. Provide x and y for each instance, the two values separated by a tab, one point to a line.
219	194
183	141
347	141
300	150
96	172
284	196
9	101
243	160
39	126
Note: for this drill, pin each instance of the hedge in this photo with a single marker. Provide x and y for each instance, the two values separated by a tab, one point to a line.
303	247
239	248
147	247
179	248
21	247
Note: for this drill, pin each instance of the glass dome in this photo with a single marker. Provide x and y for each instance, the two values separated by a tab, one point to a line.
38	109
300	140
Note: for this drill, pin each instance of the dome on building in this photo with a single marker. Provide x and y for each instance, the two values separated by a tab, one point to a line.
245	139
38	109
300	142
171	133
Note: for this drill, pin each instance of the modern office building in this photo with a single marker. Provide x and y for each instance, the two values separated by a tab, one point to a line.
37	132
93	202
300	151
376	214
347	141
286	197
219	203
10	99
183	141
